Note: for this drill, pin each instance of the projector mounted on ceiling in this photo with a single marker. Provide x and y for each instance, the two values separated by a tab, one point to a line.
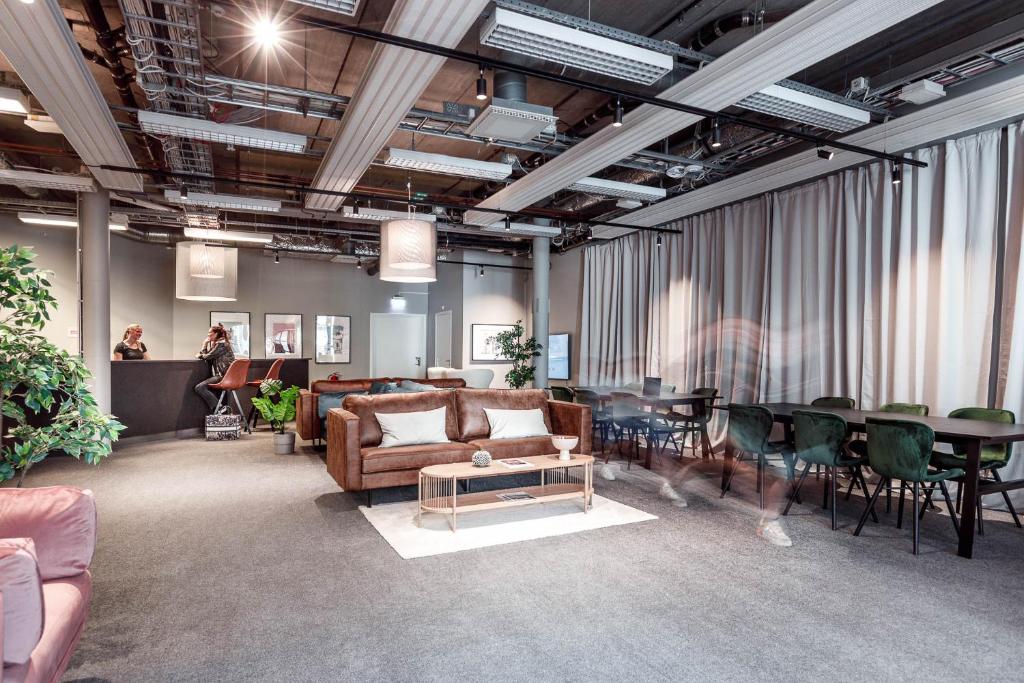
512	121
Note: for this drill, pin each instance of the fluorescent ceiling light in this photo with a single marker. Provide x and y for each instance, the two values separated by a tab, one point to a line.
50	181
565	45
370	214
118	222
348	7
223	201
613	188
226	133
447	165
43	124
524	229
227	235
13	101
795	105
512	121
629	204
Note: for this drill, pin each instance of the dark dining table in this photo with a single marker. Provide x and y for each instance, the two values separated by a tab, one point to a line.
664	399
972	434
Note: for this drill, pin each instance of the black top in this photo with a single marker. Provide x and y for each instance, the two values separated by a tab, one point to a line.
128	353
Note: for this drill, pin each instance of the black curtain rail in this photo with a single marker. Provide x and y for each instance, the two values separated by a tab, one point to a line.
484	265
303	189
482	60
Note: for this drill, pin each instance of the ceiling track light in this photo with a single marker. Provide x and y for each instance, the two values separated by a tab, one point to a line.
481	271
716	135
277	257
897	173
657	242
508	224
481	86
825	154
617	121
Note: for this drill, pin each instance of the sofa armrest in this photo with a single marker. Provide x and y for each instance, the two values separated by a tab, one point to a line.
61	521
307	417
344	460
1	637
572	419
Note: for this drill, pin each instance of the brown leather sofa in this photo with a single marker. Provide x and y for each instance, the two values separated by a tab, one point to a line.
358	463
307	409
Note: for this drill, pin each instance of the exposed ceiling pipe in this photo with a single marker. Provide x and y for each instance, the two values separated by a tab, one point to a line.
510	86
713	30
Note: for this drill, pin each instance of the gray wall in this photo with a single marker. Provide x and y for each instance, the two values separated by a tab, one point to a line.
566	293
501	296
446	295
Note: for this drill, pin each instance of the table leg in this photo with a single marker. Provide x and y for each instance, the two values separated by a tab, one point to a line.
419	498
705	440
455	486
970	506
728	462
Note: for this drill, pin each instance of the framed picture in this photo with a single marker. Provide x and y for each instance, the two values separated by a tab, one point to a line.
333	339
559	355
283	335
485	347
237	325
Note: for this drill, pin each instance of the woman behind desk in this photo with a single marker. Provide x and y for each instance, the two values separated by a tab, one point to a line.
217	352
131	347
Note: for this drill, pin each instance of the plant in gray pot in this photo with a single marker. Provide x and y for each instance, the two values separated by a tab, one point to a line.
278	413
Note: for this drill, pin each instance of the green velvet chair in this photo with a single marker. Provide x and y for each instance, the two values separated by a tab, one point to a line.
834	402
600	419
860	447
901	449
820	439
562	394
993	457
629	420
690	424
748	432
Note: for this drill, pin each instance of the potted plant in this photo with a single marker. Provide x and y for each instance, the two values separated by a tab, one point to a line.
521	352
45	403
278	413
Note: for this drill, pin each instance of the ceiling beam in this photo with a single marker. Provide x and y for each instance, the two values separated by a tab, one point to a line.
804	38
37	40
942	120
391	84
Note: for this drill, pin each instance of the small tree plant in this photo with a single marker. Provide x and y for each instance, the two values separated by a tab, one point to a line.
40	379
278	413
521	352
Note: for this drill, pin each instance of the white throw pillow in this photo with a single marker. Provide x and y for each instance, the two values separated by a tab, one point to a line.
516	424
408	429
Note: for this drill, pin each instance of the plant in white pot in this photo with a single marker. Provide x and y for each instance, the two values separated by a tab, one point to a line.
278	413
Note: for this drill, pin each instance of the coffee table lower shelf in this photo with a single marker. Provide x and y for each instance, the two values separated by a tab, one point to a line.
561	480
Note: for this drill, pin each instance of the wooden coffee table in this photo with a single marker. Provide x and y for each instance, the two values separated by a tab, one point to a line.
559	480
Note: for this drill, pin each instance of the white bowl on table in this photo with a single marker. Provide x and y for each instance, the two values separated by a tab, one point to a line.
564	444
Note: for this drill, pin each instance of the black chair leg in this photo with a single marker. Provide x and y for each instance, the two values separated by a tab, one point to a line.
853	481
949	506
870	506
796	488
899	515
760	480
981	523
732	473
888	499
824	489
959	491
1006	499
928	492
916	522
835	511
867	494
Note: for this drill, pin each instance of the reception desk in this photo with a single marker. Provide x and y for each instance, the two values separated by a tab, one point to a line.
158	396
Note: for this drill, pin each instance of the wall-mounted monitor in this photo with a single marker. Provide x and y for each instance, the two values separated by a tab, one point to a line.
559	355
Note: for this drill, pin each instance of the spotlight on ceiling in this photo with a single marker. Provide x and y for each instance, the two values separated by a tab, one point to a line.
897	173
658	242
481	86
716	136
266	32
617	121
825	154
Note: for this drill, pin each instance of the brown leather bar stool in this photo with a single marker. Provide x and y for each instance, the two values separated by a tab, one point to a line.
273	373
231	382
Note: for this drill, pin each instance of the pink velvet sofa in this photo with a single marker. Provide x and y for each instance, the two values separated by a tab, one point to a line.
47	538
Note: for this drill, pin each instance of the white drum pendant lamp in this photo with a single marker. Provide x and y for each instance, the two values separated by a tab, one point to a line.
408	251
206	261
204	287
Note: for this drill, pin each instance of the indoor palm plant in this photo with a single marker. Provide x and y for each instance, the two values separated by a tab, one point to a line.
278	413
45	403
521	352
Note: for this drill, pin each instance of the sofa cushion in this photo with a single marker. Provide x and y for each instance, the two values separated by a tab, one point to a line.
22	591
331	399
516	424
66	606
365	407
61	520
410	429
515	448
410	386
414	457
471	403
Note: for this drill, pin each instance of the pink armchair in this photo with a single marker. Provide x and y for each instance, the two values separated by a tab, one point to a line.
47	538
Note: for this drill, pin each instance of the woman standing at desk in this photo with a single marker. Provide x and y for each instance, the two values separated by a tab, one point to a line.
217	352
131	347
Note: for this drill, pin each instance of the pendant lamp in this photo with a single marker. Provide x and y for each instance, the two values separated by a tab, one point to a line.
206	261
408	251
203	287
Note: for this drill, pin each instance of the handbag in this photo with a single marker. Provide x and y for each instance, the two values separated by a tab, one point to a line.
223	427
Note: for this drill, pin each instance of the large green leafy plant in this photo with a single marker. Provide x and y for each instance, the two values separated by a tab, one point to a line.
521	352
40	383
280	412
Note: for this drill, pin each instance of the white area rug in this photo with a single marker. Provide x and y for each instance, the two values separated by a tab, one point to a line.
397	524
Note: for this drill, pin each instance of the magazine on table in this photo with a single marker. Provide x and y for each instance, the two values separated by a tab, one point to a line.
515	495
515	463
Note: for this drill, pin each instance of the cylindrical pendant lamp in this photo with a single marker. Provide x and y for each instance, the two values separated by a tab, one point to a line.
206	261
198	288
408	251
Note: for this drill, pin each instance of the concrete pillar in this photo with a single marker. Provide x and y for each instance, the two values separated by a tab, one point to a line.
94	268
541	306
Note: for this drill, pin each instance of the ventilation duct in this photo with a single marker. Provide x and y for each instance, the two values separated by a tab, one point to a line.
509	116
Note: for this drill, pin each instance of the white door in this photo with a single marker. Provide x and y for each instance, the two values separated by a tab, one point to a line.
443	339
398	344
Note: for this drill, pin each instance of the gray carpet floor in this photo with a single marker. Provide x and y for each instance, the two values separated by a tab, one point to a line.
223	562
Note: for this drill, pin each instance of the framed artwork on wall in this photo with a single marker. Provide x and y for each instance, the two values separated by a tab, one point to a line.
485	347
559	355
333	339
237	325
283	335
